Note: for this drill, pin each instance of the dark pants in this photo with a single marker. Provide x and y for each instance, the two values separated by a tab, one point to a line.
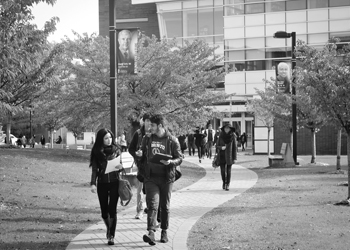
209	148
226	173
158	194
191	148
108	197
200	152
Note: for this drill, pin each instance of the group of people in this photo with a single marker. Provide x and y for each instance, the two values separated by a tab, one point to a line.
157	177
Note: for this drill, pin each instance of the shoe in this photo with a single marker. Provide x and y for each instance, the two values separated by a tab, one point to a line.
224	186
200	161
164	237
111	240
149	238
139	215
145	210
227	187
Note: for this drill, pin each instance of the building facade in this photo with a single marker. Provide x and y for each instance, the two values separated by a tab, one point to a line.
243	31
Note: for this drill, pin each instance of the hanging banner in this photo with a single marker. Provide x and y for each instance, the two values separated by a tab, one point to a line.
127	50
283	76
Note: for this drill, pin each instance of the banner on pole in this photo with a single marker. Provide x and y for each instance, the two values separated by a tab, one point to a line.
283	76
127	50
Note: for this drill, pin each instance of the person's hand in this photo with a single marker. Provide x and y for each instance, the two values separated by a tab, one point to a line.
93	189
223	147
139	153
120	166
165	162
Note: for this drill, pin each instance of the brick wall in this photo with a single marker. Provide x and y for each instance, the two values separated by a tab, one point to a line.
125	10
326	141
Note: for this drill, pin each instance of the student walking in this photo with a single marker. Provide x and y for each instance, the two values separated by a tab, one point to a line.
227	149
210	135
190	143
243	140
159	176
199	138
105	149
42	141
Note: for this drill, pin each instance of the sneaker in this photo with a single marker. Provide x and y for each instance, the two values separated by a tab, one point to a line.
149	238
164	237
145	210
227	187
139	215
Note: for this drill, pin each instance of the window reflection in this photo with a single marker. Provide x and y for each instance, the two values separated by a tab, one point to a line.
254	8
296	5
335	3
190	23
317	4
275	6
172	24
218	21
234	10
234	44
219	41
205	22
275	52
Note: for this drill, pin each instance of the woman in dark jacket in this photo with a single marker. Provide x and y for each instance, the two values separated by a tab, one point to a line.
227	150
103	150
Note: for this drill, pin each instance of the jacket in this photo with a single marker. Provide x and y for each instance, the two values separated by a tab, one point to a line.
229	155
135	143
99	165
172	147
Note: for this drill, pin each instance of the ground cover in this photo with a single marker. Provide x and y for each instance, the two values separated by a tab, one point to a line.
45	198
291	208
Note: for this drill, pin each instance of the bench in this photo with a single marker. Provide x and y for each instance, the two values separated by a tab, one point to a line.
284	159
275	160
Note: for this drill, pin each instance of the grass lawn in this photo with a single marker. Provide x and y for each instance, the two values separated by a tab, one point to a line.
289	208
45	198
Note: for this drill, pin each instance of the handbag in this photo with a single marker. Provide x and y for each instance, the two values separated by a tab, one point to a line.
178	173
216	161
124	188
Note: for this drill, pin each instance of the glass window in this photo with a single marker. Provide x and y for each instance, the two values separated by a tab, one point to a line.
317	38
296	17
202	3
251	20
339	13
234	21
237	55
254	31
169	6
234	66
317	15
299	28
255	43
274	18
344	37
234	10
205	22
255	65
275	52
273	7
312	4
296	5
218	21
234	44
254	8
233	1
272	29
255	54
189	4
234	33
318	27
335	3
341	25
218	2
252	1
275	42
190	23
172	24
219	41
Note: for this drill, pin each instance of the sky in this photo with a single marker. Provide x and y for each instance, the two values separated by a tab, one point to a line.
78	15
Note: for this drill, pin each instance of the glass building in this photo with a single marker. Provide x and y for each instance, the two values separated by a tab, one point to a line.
243	30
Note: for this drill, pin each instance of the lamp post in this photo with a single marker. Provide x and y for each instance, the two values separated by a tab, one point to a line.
30	120
112	81
283	34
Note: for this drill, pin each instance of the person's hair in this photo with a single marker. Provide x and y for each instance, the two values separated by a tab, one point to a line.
99	143
157	119
146	116
124	31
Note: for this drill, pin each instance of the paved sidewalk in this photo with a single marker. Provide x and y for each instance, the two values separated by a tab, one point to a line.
187	206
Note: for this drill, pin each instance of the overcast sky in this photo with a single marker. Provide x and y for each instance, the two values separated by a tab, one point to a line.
78	15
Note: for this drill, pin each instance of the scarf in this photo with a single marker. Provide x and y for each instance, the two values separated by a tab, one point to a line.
227	138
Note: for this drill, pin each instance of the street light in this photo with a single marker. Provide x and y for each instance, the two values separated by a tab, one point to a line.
283	34
112	78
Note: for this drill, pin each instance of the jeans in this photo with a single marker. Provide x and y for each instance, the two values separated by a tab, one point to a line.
226	173
200	152
108	197
191	148
158	193
139	196
209	148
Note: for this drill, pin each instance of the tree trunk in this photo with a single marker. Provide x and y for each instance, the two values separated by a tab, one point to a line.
339	149
51	136
313	146
8	132
348	152
268	141
291	140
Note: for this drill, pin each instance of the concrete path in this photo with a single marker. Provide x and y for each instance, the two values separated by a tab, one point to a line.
187	206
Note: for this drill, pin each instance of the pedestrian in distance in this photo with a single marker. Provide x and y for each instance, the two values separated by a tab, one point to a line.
59	140
199	138
134	150
42	141
243	140
24	141
159	175
182	141
32	141
210	141
227	149
103	150
190	143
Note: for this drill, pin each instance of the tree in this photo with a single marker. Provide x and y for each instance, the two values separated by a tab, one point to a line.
173	82
26	62
327	81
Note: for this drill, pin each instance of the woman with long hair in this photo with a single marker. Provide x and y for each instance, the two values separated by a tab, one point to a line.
227	150
103	150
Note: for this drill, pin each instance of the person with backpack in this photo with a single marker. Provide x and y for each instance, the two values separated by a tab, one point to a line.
134	146
159	176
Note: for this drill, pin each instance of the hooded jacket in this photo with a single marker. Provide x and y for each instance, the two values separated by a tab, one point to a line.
229	155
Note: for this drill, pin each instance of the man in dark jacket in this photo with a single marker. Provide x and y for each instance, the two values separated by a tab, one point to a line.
159	175
134	146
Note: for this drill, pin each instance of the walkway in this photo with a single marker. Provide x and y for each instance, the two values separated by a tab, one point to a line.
187	206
